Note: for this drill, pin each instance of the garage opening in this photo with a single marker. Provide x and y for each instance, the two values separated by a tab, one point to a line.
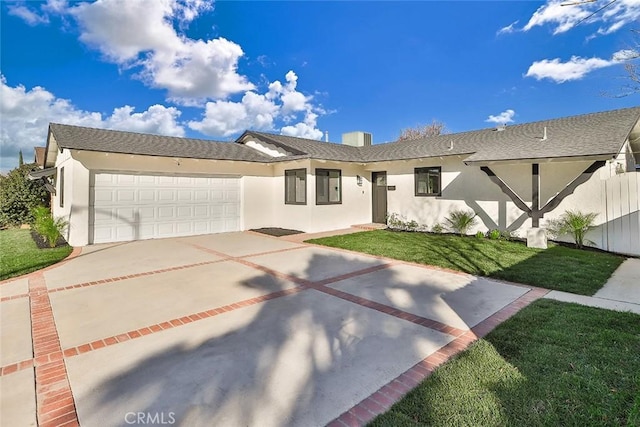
125	207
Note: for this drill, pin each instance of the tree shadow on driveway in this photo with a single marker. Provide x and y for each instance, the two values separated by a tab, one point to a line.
300	359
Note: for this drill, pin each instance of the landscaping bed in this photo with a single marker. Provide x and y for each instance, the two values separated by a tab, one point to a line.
20	254
551	364
558	267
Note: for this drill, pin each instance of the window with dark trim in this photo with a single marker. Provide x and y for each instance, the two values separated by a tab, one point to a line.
328	186
61	189
427	181
295	187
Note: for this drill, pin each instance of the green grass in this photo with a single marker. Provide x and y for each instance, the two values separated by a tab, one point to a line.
552	364
19	254
558	267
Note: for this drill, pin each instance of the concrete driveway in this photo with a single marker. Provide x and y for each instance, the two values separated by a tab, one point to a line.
232	329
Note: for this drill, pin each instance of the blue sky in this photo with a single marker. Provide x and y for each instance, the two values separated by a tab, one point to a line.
211	70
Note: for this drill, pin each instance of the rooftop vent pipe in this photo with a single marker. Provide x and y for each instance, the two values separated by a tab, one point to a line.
326	136
544	134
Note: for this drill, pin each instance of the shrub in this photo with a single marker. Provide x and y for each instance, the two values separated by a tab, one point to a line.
495	234
19	195
575	223
46	226
461	221
479	235
437	228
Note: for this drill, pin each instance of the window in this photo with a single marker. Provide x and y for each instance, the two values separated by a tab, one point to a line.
295	187
61	189
427	181
328	186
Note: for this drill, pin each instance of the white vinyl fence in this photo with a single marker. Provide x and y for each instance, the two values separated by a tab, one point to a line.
621	227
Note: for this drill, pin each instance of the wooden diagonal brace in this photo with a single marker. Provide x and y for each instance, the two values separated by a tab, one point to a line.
506	190
571	187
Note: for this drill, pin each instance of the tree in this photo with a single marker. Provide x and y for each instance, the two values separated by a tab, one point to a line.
19	195
20	158
434	128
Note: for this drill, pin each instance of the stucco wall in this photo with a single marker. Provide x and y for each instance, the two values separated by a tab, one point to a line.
355	207
76	198
463	187
468	188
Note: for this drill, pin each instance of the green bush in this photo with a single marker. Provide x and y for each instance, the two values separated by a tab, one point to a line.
437	228
495	234
479	235
19	195
461	221
46	226
575	223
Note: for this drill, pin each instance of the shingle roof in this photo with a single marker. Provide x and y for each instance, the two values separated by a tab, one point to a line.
114	141
309	147
596	134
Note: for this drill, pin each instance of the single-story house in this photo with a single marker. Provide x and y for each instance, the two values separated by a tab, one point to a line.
119	186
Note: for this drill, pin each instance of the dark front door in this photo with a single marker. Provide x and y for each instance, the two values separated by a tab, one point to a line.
379	196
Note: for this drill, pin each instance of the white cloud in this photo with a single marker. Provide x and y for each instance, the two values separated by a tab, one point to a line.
563	18
140	35
225	118
508	29
27	15
574	69
261	111
304	129
505	117
25	116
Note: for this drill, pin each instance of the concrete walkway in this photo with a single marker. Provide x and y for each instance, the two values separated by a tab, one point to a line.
232	329
620	293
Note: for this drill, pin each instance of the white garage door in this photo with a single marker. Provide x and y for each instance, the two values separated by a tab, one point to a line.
134	207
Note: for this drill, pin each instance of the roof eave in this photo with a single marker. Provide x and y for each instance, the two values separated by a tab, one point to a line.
558	159
51	149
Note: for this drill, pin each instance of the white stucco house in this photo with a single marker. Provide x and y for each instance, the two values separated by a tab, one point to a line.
119	186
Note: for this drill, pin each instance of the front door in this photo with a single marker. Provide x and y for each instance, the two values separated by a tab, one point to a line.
379	196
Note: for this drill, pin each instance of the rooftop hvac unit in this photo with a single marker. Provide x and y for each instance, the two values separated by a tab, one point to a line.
357	139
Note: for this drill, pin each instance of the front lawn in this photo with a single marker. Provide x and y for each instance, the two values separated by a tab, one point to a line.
552	364
19	254
558	267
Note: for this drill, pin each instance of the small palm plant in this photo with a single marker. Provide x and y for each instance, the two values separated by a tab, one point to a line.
575	223
48	227
461	221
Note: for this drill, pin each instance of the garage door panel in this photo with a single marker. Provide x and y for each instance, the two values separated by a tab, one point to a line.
166	212
146	196
125	195
103	215
125	179
166	195
146	214
145	179
127	215
184	212
185	195
201	211
184	228
129	207
216	195
200	227
103	197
